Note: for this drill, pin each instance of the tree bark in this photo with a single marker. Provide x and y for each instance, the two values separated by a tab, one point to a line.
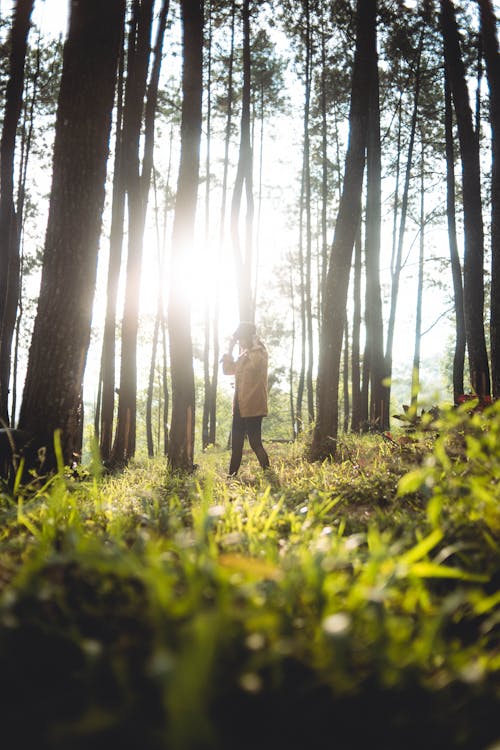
492	59
348	219
181	443
62	325
397	264
9	230
473	220
415	377
207	384
374	349
244	177
138	100
357	414
456	268
108	352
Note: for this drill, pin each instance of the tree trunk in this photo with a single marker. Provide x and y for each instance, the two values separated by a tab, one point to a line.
374	349
307	208
181	443
207	385
345	371
324	168
24	158
473	220
138	185
397	265
62	328
244	176
348	219
222	235
415	377
456	269
108	352
492	59
357	414
9	230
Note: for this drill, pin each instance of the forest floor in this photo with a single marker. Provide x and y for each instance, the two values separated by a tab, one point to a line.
350	604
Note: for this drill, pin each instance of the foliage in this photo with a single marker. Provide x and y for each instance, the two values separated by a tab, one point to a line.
153	609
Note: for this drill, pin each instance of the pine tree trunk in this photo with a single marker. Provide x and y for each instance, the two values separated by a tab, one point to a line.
374	350
181	443
108	352
61	333
456	269
357	414
397	265
138	185
9	230
492	59
207	385
244	177
415	378
25	153
349	216
307	208
473	221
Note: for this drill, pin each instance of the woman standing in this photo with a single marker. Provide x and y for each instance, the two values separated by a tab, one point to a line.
250	396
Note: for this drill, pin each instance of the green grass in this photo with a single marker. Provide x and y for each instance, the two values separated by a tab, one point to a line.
352	604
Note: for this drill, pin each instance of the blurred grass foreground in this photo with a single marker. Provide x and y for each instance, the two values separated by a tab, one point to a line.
350	604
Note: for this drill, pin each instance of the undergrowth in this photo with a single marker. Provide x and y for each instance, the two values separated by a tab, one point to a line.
348	604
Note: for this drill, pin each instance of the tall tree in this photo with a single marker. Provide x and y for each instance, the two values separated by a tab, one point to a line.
471	191
374	347
456	268
415	377
492	59
244	177
106	402
9	230
396	265
140	103
181	443
61	335
348	219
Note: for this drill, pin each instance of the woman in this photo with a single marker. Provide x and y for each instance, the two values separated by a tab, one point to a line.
250	395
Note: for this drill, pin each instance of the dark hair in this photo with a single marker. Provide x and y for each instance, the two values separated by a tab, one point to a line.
245	330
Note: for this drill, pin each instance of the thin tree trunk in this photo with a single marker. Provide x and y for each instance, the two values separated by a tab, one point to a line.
138	185
244	177
492	59
292	357
181	443
396	268
358	414
207	395
324	169
222	235
346	377
307	196
25	153
349	216
374	350
473	221
108	352
9	229
456	269
415	378
303	329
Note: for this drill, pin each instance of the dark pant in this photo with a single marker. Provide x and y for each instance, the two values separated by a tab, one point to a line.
252	427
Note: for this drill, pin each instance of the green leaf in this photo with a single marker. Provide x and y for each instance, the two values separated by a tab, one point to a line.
421	549
411	482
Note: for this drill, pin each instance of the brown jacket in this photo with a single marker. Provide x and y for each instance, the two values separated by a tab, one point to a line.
250	371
